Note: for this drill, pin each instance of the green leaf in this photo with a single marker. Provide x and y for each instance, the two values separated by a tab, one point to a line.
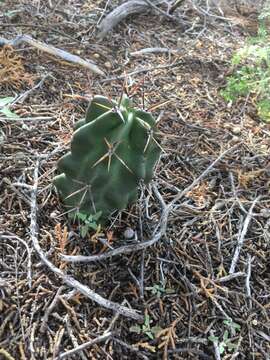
231	346
97	215
147	320
232	325
221	348
89	219
145	328
228	322
237	327
11	12
93	225
236	59
81	216
6	101
8	113
84	230
263	108
213	338
225	335
149	334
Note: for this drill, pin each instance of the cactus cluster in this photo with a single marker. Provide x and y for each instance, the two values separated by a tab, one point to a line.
112	150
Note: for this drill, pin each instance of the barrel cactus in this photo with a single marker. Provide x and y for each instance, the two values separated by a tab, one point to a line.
112	150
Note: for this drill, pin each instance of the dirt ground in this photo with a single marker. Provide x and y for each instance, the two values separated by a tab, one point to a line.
203	288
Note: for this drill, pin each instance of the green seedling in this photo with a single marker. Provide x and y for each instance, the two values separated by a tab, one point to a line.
4	107
226	343
159	290
146	328
87	222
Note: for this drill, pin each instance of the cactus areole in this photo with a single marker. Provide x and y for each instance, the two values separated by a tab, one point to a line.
112	151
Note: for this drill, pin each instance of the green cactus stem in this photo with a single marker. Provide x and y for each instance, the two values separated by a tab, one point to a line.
112	151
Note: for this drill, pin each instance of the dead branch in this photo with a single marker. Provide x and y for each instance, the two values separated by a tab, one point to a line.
143	70
52	50
127	249
154	50
21	98
50	309
248	290
215	345
85	345
69	280
230	277
121	12
242	236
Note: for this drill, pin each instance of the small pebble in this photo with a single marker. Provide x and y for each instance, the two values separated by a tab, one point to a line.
229	105
235	139
108	65
236	130
129	233
218	205
54	214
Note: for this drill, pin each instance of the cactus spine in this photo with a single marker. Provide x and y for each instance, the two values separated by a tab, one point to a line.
112	150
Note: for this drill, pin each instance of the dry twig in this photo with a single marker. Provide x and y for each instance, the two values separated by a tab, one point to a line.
242	236
81	347
53	51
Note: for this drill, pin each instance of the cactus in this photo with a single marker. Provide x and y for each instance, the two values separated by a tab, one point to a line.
112	151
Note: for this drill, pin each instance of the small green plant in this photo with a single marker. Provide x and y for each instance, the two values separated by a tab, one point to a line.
251	76
113	150
146	328
87	222
159	289
232	326
4	107
226	343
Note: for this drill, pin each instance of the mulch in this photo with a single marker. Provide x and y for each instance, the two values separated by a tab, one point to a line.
204	286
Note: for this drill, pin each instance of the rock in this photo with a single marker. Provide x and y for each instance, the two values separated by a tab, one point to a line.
236	130
129	233
54	214
108	65
235	139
